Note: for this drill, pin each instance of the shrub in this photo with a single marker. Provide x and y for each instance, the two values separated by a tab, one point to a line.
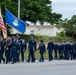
46	38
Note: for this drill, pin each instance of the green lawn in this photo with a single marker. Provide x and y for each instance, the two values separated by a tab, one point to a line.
37	55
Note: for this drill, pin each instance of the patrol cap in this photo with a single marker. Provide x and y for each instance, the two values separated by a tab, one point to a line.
67	40
31	34
75	41
51	39
55	41
17	35
70	41
41	41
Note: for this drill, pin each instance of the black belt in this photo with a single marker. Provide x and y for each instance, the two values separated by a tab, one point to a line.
13	47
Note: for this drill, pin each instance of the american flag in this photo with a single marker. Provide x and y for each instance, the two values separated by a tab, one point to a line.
2	26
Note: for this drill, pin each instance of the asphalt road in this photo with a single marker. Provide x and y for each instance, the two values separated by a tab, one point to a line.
56	67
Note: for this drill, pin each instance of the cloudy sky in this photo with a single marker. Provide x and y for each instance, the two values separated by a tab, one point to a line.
65	7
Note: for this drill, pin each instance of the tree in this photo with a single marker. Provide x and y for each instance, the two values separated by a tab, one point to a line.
32	10
38	10
69	26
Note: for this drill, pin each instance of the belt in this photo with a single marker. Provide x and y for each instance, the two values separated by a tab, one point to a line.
0	48
13	47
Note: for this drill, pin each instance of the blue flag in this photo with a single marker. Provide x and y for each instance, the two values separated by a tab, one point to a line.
15	22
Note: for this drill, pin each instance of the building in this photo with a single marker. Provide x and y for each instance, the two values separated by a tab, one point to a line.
49	30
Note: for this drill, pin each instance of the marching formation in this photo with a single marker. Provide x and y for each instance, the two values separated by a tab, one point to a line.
13	46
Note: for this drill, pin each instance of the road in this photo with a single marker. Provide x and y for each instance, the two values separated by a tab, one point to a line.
56	67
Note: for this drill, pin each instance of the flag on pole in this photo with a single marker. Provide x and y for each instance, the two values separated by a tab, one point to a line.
14	22
2	26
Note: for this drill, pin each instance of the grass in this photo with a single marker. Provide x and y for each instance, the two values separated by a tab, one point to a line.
37	54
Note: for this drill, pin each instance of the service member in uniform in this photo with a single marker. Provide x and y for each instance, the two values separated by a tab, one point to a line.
50	48
32	48
67	50
8	50
42	50
23	49
14	50
56	50
2	45
71	50
60	51
19	43
74	50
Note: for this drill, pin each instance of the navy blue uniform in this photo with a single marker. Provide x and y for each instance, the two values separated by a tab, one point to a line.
60	51
74	51
19	43
55	50
50	48
42	49
71	51
23	49
67	51
8	51
2	44
14	51
32	48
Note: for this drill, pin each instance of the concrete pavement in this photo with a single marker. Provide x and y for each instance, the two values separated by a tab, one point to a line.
55	67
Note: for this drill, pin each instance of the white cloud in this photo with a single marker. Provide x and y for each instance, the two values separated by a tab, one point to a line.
65	7
68	1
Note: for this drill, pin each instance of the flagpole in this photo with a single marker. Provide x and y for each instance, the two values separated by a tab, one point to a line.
0	32
18	11
7	33
0	28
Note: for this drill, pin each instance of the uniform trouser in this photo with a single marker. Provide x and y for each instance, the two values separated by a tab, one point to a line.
3	59
7	54
50	55
31	55
42	56
67	54
10	55
71	55
1	56
55	51
74	55
22	55
60	55
14	58
17	56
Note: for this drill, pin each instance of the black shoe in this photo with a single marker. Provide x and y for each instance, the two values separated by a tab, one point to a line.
12	63
49	60
27	61
39	60
3	61
6	62
42	60
22	61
